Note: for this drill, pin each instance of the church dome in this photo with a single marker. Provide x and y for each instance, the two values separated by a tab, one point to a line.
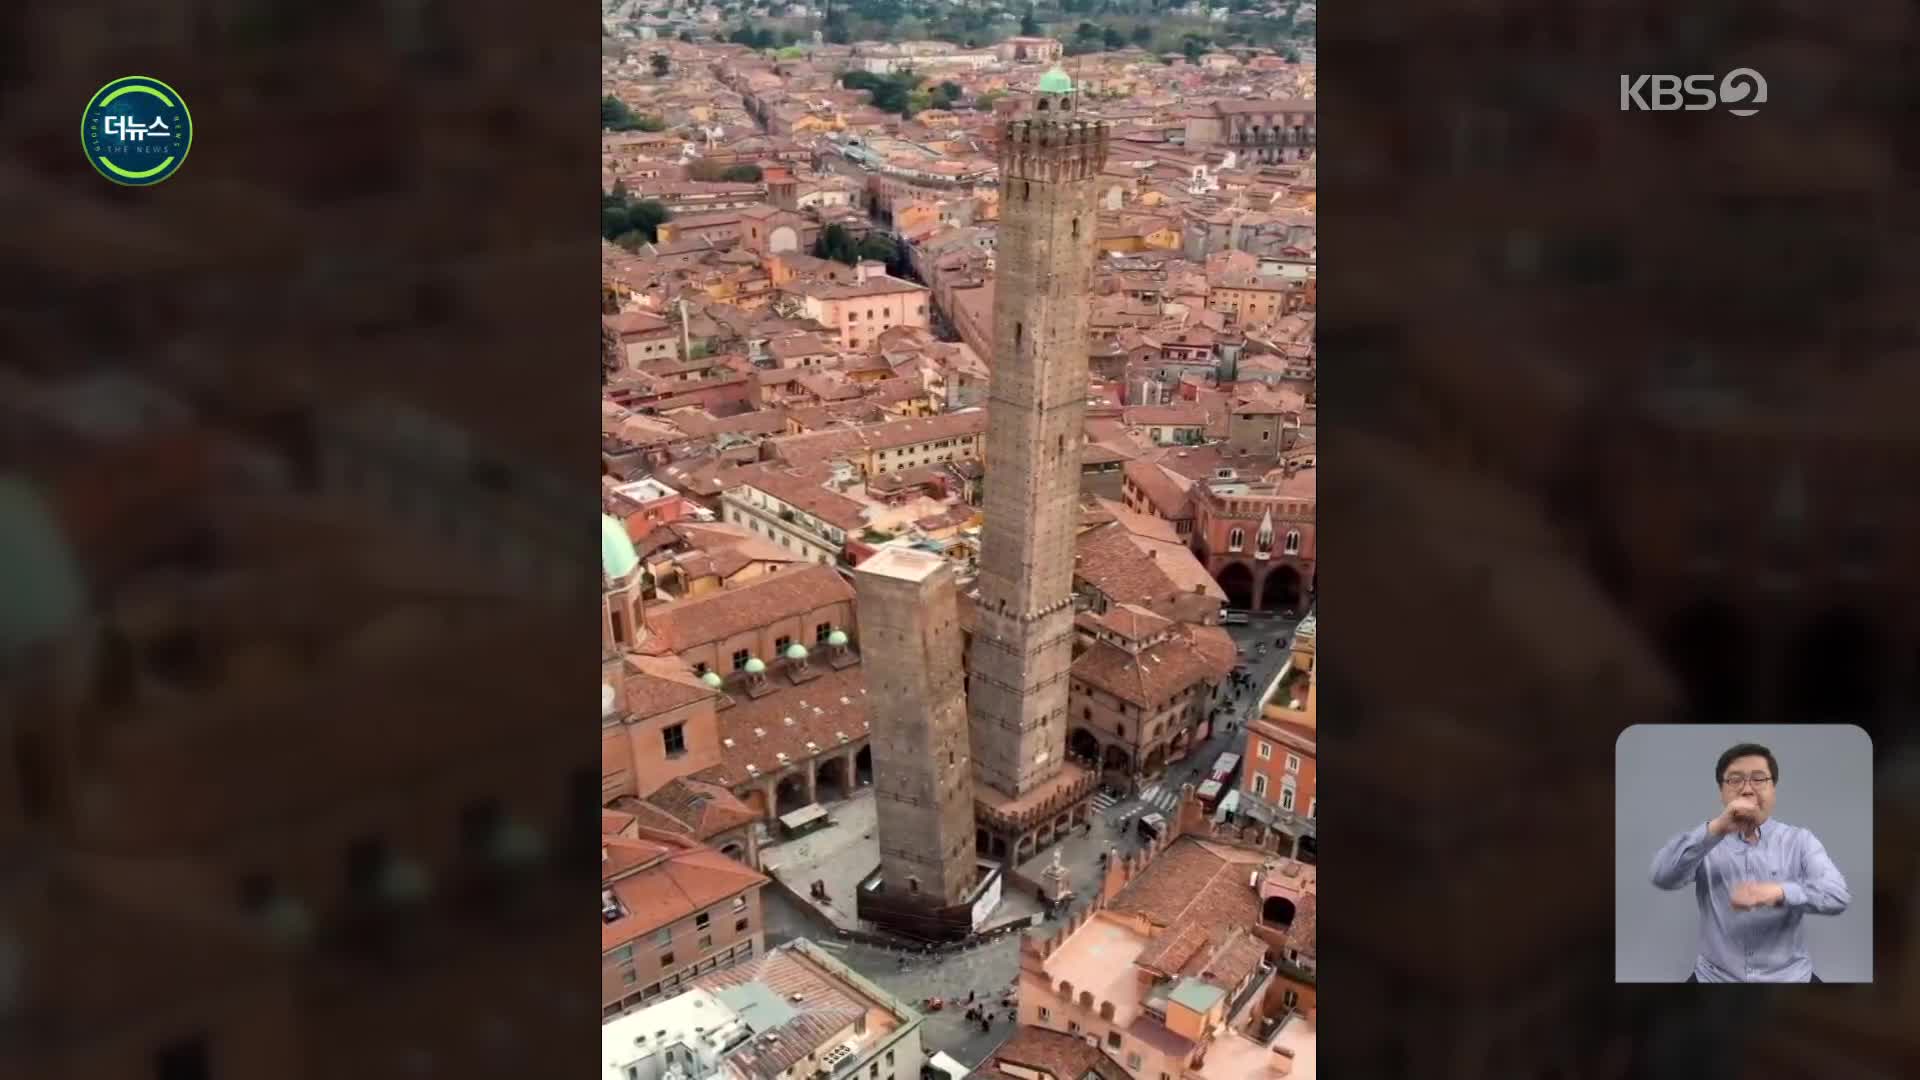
617	557
837	638
755	665
1056	81
712	679
796	651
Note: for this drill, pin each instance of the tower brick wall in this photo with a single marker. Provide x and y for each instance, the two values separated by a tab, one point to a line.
923	784
1050	161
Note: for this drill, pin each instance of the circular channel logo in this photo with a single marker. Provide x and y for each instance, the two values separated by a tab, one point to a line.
136	131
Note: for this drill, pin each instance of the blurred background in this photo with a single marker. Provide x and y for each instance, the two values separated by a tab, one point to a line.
1619	434
290	787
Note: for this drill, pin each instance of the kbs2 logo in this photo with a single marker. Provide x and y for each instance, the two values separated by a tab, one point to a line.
1742	90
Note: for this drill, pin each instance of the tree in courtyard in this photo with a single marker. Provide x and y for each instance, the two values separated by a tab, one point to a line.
837	244
661	65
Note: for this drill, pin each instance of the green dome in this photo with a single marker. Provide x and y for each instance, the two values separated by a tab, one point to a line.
837	638
617	557
712	679
796	651
1056	82
755	665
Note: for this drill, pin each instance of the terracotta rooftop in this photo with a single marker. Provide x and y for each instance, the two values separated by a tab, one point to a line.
756	731
1053	1055
705	810
1131	622
824	445
1195	880
1156	674
715	616
666	881
804	488
1165	491
1130	569
655	685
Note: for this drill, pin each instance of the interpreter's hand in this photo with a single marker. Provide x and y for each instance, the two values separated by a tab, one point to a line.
1737	814
1748	895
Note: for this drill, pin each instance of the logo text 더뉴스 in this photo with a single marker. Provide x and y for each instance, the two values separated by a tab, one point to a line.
136	131
1741	91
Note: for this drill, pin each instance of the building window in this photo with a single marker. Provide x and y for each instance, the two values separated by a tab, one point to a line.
860	1024
1266	751
663	936
1236	540
1290	999
1292	546
740	903
1293	763
1044	1014
699	669
1260	783
1313	806
706	941
628	978
674	737
619	627
666	959
701	921
622	955
740	658
889	1059
821	632
1113	1039
1286	798
740	926
1073	1027
780	644
1133	1061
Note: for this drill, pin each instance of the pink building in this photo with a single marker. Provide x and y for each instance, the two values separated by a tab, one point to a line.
862	310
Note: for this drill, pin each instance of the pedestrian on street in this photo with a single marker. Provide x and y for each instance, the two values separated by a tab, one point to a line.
969	997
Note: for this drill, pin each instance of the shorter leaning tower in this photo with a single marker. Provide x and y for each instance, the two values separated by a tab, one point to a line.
922	779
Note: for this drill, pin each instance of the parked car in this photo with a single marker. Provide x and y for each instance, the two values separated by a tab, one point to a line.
1152	825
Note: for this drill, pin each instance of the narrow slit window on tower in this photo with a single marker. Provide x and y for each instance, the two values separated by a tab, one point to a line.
1019	331
1076	228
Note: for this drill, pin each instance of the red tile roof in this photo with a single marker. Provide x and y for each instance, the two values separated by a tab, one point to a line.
674	882
818	711
1054	1055
718	615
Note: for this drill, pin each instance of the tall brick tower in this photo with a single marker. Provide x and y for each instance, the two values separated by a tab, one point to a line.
1022	649
923	786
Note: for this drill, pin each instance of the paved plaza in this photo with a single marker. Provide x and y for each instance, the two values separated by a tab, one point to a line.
839	854
842	853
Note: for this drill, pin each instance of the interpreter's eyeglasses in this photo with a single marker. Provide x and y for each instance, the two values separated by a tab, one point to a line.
1734	783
